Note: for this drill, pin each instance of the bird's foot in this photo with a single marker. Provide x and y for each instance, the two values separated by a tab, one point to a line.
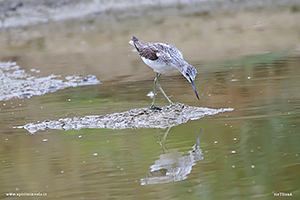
152	107
170	105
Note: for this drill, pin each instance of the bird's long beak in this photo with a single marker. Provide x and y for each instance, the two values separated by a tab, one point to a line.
193	84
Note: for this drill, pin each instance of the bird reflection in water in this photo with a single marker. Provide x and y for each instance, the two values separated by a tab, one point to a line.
173	165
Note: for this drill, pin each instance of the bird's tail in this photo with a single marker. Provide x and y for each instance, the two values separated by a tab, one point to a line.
134	39
138	44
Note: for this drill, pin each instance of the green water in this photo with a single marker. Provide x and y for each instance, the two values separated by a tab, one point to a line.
250	153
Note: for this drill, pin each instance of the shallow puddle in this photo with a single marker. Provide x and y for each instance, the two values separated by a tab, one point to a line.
249	152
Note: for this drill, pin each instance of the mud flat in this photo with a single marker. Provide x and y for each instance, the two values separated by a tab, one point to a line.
16	83
135	118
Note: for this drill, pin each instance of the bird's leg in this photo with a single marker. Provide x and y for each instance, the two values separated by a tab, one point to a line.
162	140
158	85
154	90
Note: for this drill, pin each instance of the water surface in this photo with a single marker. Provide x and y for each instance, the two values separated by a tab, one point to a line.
252	152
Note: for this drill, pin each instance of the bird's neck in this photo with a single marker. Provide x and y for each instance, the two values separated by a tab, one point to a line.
183	66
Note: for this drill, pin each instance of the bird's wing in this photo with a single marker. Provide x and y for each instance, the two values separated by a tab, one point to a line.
149	51
169	54
172	50
164	52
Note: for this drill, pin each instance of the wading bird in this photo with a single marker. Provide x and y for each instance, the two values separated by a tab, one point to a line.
163	59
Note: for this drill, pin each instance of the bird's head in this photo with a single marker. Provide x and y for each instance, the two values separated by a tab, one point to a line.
189	72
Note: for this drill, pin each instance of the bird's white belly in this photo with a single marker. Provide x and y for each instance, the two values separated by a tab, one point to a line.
159	67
